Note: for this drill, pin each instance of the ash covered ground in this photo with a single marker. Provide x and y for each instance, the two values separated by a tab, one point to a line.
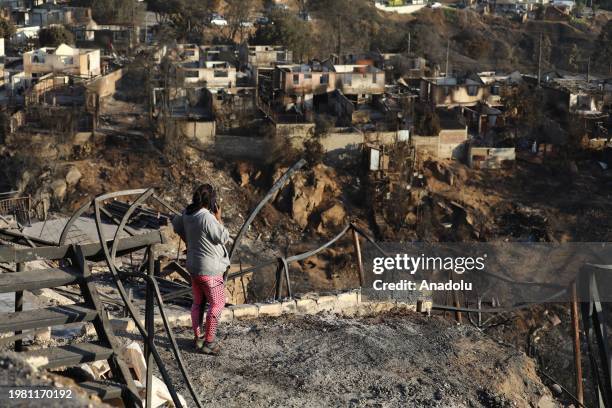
390	360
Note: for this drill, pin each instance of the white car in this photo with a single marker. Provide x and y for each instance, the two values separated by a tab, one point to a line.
435	5
218	21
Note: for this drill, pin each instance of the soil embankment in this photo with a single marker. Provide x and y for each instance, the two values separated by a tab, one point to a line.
390	360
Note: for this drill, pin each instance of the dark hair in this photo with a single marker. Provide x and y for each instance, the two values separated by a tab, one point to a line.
203	197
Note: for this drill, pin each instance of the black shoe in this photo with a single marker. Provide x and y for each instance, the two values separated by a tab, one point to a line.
212	348
198	343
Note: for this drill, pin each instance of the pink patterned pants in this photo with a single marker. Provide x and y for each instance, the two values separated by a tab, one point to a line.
205	288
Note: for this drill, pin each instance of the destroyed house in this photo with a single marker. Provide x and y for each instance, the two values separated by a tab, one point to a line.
305	79
574	95
188	52
517	6
213	75
222	52
44	16
21	4
260	56
494	83
454	91
65	59
116	36
359	80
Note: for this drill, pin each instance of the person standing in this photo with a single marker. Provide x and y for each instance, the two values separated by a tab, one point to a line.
202	229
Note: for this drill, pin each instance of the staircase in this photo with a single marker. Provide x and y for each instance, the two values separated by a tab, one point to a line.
91	310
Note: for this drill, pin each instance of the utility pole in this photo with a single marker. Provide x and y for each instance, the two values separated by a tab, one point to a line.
339	39
409	43
447	55
540	61
588	74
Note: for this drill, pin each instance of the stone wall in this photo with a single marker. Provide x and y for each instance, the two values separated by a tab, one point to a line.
346	304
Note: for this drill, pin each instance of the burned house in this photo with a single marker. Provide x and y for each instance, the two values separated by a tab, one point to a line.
219	52
297	85
51	14
453	91
213	75
359	81
115	37
579	100
79	62
466	90
262	56
567	95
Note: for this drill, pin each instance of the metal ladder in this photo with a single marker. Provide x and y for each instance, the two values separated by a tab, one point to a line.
91	310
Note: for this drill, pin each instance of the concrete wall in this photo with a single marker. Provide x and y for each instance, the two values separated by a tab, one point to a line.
203	132
452	143
426	145
296	132
342	142
105	85
246	148
490	157
385	138
343	108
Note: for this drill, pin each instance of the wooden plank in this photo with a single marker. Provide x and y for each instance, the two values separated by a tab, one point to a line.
92	251
37	279
70	355
51	316
103	389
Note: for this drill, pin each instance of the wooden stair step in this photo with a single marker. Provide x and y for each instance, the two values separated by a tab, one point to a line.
47	317
37	279
70	355
106	390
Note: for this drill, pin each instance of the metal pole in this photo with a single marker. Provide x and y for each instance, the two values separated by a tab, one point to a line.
287	280
447	55
19	307
357	246
149	325
576	335
279	279
588	73
458	316
409	40
540	61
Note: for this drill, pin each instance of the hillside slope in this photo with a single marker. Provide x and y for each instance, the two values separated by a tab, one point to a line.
390	360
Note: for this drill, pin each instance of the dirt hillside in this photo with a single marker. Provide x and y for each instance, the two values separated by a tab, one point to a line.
391	360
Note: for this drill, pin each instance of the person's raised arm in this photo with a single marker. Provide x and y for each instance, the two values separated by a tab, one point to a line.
218	232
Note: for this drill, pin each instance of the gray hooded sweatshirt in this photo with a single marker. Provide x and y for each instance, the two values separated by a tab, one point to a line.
205	238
